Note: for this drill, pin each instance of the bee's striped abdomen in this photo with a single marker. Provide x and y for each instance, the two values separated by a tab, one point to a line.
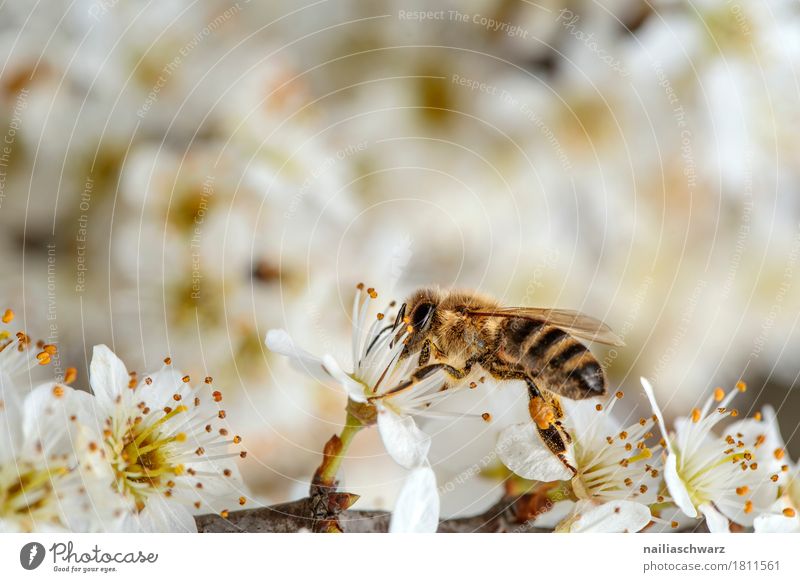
553	357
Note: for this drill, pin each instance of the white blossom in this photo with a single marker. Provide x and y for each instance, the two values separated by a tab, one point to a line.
617	474
166	441
783	515
721	478
48	479
380	378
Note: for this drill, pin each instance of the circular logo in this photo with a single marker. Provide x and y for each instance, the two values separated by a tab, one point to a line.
31	555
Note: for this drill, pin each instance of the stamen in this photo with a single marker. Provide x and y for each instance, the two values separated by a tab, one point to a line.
144	434
70	375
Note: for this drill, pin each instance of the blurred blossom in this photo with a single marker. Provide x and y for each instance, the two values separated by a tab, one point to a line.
48	478
180	178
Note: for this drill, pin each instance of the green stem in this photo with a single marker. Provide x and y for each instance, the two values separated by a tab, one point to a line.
335	450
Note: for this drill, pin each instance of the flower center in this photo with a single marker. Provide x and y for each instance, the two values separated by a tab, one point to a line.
143	456
26	488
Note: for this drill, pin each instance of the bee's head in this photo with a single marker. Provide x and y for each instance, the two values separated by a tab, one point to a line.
419	314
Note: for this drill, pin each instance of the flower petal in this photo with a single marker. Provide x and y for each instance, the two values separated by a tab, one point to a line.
108	376
417	507
163	385
521	449
557	513
46	423
355	390
280	342
403	440
161	516
651	396
611	517
716	522
777	522
677	488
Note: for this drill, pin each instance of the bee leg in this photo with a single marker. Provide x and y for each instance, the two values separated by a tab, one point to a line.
425	353
545	412
553	438
425	371
555	404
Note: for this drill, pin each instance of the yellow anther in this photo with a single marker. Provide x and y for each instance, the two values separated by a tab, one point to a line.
70	375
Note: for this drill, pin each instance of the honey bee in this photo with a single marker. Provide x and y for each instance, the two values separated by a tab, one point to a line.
461	330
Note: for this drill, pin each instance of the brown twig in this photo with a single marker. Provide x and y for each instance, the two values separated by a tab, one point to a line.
297	516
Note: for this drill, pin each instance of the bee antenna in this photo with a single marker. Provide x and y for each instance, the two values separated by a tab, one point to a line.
400	315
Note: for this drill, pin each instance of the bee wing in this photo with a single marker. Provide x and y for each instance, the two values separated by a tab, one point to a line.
573	322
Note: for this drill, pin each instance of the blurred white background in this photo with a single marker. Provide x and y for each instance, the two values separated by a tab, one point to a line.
178	177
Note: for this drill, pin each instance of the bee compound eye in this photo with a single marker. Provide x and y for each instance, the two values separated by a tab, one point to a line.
422	315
